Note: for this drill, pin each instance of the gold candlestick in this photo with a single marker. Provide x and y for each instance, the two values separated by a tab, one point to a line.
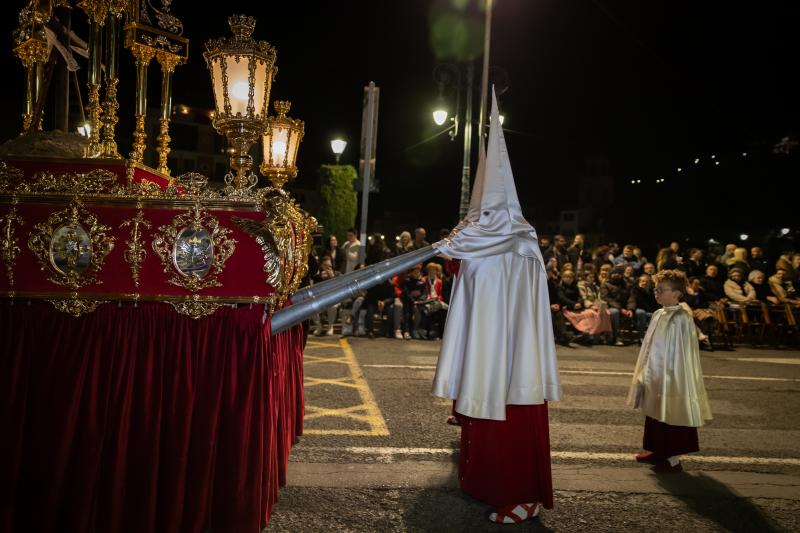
143	56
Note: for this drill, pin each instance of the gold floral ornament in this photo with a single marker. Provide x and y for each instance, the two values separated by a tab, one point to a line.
135	252
77	306
285	239
72	246
193	249
9	248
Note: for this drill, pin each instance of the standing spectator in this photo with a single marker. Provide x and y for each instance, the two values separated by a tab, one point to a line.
676	247
332	251
577	253
544	245
601	257
616	294
419	239
643	302
695	266
325	273
739	260
377	250
667	259
757	260
403	244
729	248
558	251
613	251
628	259
350	251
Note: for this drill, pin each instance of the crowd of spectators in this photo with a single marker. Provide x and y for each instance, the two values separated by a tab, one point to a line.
595	293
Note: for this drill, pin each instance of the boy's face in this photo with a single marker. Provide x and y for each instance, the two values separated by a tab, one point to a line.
666	295
644	281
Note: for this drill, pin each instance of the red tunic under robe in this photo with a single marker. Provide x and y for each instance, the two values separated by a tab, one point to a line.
507	462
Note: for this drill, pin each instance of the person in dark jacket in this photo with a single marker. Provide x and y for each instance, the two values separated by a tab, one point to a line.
560	332
643	302
711	284
380	299
758	261
577	253
616	294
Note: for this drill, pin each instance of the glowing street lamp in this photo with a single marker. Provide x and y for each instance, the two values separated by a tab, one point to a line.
338	146
440	116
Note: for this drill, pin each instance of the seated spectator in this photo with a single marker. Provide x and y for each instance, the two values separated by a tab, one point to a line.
695	266
403	244
638	253
414	291
602	277
628	259
544	245
758	261
616	294
713	290
629	276
435	307
737	290
697	305
763	290
590	292
560	333
649	269
783	289
381	299
399	282
569	297
643	301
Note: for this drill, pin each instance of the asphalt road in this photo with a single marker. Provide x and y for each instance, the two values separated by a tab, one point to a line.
378	456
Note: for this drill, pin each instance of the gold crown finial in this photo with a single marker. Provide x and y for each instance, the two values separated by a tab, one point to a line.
282	107
242	26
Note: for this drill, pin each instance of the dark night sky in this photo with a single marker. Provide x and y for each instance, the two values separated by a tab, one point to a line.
647	85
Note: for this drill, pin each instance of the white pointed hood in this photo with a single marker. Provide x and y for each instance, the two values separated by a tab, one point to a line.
494	223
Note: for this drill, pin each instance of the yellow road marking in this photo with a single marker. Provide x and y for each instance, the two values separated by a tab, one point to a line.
317	344
367	412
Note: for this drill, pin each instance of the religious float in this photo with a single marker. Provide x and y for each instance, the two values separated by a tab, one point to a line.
142	386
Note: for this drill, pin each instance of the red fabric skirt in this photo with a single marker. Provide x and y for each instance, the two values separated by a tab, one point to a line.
507	462
666	441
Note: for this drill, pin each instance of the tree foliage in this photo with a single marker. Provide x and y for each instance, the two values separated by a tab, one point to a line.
339	201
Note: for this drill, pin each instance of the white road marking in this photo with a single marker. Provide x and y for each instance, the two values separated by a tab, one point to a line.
602	373
600	456
773	360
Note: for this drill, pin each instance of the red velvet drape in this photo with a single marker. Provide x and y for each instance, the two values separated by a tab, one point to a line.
140	419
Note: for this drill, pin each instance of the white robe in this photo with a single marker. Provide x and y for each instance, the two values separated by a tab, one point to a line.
498	347
668	371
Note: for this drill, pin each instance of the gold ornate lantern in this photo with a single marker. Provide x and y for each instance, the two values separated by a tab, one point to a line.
281	140
242	70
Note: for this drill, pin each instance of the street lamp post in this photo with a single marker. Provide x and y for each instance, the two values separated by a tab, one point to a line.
338	146
447	74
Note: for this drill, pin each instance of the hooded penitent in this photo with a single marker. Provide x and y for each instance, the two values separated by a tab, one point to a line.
498	345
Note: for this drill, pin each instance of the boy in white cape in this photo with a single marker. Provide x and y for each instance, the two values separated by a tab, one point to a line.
668	380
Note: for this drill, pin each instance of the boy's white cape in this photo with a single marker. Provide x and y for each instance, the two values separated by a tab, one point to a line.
669	371
498	345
